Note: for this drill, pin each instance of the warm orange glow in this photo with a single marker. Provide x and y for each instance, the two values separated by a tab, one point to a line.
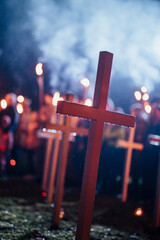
88	102
138	212
3	103
61	214
85	82
143	89
137	95
12	162
19	108
39	69
55	98
145	97
20	99
148	108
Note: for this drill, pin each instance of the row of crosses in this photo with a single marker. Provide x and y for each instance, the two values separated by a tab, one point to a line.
98	116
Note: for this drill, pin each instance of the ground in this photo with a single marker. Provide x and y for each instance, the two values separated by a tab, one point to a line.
25	214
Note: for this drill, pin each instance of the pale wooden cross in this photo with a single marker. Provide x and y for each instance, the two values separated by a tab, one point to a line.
50	136
98	116
48	182
55	131
155	140
130	145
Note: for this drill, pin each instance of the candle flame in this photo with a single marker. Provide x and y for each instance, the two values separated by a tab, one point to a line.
3	103
85	82
61	214
39	69
138	212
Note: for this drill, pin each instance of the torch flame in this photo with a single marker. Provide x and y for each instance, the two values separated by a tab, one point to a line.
148	108
3	103
145	97
143	89
19	108
85	82
39	69
55	98
137	95
20	99
88	102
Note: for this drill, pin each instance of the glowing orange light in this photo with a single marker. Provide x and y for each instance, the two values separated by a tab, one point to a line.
138	212
3	103
39	69
19	108
148	108
137	95
61	214
88	102
20	99
145	97
143	89
85	82
12	162
55	98
44	194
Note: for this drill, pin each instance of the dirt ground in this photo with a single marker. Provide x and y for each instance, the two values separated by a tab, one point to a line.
108	211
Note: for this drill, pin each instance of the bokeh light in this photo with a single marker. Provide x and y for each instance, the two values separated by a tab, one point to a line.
19	108
145	97
85	82
138	212
88	102
61	214
55	98
148	108
137	95
12	162
20	99
3	103
143	89
39	69
44	194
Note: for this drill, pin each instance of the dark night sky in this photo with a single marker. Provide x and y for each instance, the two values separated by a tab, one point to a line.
68	36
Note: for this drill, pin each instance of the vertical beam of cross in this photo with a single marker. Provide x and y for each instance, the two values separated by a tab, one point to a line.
46	163
98	116
93	149
61	170
53	168
130	145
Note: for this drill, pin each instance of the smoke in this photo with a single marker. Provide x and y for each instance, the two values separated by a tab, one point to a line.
71	34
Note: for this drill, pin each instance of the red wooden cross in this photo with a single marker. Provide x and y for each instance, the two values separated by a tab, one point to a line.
98	116
130	145
155	140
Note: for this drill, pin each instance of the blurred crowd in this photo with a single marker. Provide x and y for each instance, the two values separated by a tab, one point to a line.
22	151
